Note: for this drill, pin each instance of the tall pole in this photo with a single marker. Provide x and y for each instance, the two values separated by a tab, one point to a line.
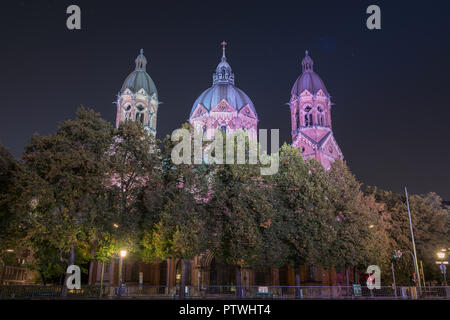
423	274
445	278
444	273
416	267
393	278
120	275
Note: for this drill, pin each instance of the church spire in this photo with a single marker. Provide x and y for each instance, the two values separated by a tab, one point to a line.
223	73
224	44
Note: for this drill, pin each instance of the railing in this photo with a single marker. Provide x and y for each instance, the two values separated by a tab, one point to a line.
16	275
222	292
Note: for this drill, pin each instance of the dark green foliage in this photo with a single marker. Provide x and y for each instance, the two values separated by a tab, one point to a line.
89	191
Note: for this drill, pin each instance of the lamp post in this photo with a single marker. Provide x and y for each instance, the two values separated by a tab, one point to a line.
396	255
442	255
123	254
416	267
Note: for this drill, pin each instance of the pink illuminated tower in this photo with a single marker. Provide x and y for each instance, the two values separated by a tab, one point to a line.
310	106
224	106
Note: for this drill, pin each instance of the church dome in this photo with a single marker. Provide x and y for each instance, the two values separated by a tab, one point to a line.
234	96
308	80
139	78
223	88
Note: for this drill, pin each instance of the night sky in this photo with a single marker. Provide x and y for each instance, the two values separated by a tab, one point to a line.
389	87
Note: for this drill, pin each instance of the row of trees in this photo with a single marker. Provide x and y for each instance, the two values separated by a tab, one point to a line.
89	190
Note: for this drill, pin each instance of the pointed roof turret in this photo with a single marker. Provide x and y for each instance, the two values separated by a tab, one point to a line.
223	73
139	78
308	80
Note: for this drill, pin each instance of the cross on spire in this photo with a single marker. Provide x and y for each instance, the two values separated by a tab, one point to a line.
224	44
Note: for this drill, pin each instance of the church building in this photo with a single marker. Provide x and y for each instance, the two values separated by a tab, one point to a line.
138	98
224	106
310	106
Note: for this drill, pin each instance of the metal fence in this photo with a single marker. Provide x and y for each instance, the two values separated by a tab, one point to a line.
223	292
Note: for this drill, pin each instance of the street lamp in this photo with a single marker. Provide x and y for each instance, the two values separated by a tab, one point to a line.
442	255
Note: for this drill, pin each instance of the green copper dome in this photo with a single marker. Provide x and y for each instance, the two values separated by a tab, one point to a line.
139	78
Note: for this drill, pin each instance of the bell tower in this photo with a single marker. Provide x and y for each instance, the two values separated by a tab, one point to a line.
310	107
138	97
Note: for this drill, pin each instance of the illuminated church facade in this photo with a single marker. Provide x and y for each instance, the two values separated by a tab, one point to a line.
310	107
224	106
137	100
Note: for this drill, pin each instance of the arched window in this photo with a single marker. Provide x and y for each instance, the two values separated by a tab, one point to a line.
320	116
297	119
221	274
308	117
140	114
127	112
223	128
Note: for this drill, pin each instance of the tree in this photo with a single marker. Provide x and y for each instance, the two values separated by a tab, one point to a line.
62	185
241	213
359	239
306	210
430	221
10	235
179	232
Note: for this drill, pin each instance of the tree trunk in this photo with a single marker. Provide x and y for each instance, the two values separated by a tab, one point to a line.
71	262
101	278
92	266
297	282
238	282
43	279
183	279
347	280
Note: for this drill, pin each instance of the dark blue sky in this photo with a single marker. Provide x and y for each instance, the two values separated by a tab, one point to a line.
390	87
